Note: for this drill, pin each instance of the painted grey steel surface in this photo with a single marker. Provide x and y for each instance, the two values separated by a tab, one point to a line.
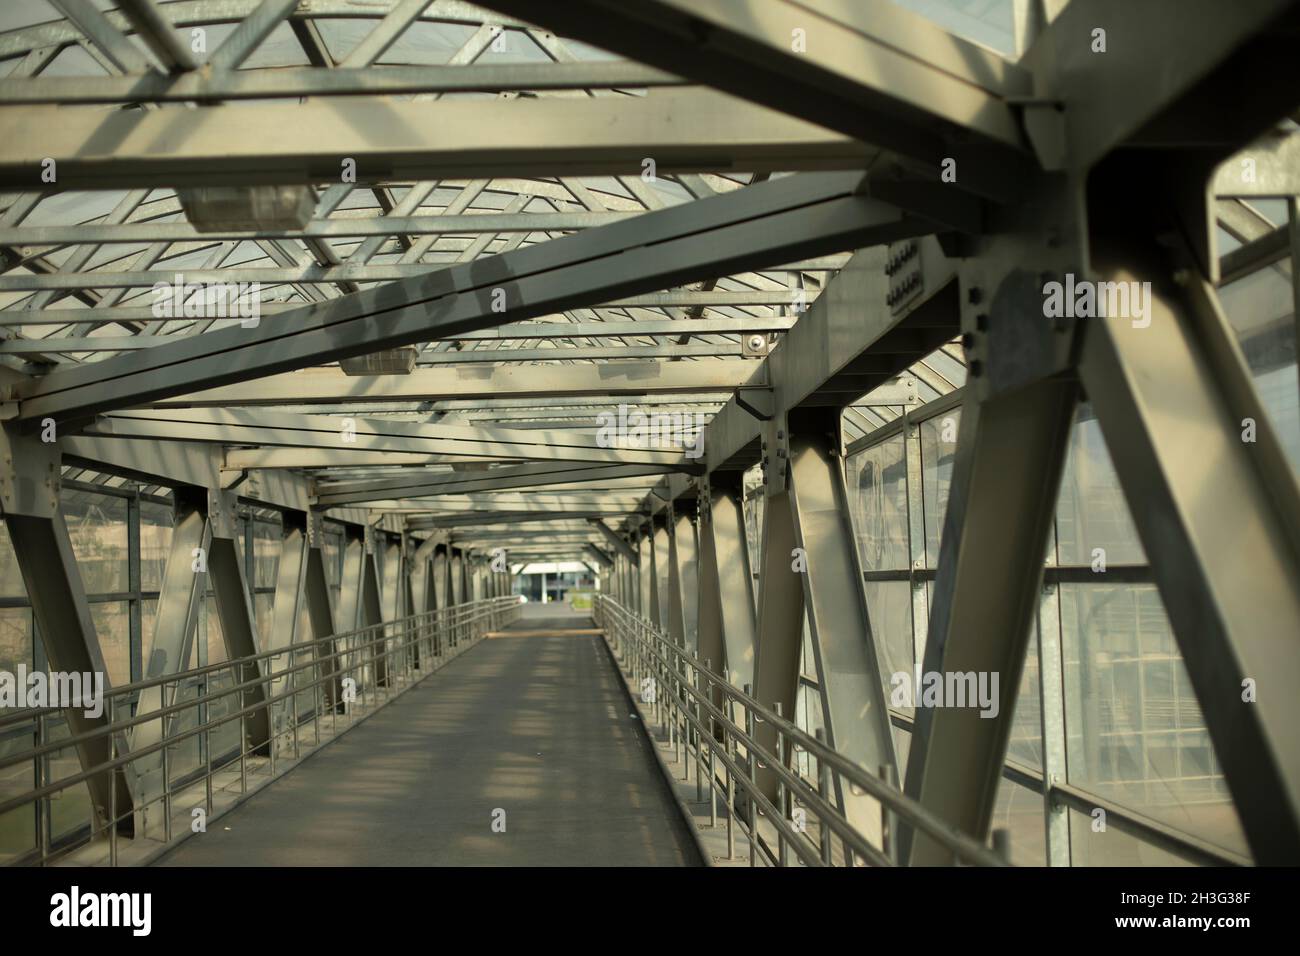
184	584
397	140
855	710
54	586
684	548
430	385
804	214
1047	147
727	587
1000	508
1235	630
780	625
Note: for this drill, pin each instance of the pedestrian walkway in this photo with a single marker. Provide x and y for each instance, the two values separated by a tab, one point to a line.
530	731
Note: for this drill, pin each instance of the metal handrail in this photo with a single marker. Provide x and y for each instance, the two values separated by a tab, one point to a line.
416	621
653	647
453	628
426	617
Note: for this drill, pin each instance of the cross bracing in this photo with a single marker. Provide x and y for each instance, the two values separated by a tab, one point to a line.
802	283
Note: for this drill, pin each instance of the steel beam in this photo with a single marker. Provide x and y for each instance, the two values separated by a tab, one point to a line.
614	540
511	476
779	626
457	569
29	493
646	587
371	610
252	32
500	520
685	569
235	610
223	85
1000	508
320	612
245	426
872	71
539	504
677	298
257	459
1125	97
855	710
686	131
659	575
286	609
1175	402
441	577
330	386
158	35
675	622
106	38
184	584
726	585
762	224
349	608
846	344
376	227
394	593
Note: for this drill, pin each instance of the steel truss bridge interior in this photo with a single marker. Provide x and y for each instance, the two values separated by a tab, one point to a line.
322	327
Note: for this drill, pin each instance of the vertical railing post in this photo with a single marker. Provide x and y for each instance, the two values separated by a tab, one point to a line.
823	791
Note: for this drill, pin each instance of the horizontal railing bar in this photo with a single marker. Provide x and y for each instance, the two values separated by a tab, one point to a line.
474	612
962	845
28	713
504	603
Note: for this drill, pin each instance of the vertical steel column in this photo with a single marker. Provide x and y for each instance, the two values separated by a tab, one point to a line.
416	563
662	562
371	610
727	580
435	589
235	610
185	581
349	608
441	578
709	601
676	604
348	617
29	492
780	611
317	595
1217	507
393	595
1000	508
686	572
392	590
647	587
457	576
854	705
290	581
631	581
417	582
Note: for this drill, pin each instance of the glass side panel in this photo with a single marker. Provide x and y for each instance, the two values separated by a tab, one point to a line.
1134	730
